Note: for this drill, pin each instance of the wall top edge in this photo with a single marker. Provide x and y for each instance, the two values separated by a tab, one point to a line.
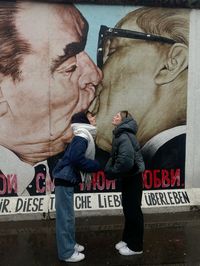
153	3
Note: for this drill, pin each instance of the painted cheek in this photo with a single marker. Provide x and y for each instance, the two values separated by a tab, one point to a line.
89	72
88	76
64	90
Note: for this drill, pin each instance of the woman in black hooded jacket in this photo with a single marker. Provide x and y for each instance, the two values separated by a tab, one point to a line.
126	163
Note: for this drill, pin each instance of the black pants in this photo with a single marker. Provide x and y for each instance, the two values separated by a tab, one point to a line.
131	202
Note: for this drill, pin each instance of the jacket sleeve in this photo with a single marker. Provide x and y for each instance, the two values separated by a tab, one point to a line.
77	156
108	169
124	157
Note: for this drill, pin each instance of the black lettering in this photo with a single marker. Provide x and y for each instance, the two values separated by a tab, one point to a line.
19	205
157	198
148	199
89	202
170	198
4	205
52	203
167	202
110	201
185	197
100	202
153	199
29	205
117	200
163	202
35	205
176	198
78	202
83	202
40	204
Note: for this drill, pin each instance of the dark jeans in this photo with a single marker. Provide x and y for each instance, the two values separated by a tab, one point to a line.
131	202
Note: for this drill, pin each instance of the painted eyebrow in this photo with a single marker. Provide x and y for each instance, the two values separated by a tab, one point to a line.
70	50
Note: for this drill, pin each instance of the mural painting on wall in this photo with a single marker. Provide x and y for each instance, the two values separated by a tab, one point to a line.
147	75
47	76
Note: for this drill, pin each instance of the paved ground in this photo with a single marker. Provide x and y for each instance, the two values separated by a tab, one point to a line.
170	239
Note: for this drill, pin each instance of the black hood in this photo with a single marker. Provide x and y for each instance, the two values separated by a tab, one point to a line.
127	125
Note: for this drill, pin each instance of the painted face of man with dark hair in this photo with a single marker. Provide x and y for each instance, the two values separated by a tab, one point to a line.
56	79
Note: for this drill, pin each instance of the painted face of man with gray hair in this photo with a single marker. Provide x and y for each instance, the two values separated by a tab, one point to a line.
144	73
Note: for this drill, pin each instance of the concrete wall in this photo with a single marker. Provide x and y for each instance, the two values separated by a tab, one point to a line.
42	85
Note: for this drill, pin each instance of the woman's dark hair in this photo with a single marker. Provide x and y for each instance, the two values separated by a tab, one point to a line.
124	114
80	117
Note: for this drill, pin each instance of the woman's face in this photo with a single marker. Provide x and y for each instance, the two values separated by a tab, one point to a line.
92	119
117	119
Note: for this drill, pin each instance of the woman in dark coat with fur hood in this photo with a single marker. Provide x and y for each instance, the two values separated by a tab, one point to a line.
126	163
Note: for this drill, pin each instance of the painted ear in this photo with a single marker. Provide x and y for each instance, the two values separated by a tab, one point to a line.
3	105
176	62
3	108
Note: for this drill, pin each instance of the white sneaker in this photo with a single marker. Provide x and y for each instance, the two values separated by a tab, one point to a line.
79	247
120	244
76	256
128	252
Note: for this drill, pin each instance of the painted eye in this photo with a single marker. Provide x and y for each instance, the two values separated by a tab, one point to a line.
67	69
111	51
71	69
108	52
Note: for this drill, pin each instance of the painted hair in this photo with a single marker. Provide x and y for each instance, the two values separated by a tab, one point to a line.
12	46
168	22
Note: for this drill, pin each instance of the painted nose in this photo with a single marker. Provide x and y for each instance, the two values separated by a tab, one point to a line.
90	75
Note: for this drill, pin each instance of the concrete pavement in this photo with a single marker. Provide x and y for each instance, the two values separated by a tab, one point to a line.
170	239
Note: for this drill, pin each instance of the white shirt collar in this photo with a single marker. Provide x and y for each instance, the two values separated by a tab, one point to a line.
160	139
11	164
